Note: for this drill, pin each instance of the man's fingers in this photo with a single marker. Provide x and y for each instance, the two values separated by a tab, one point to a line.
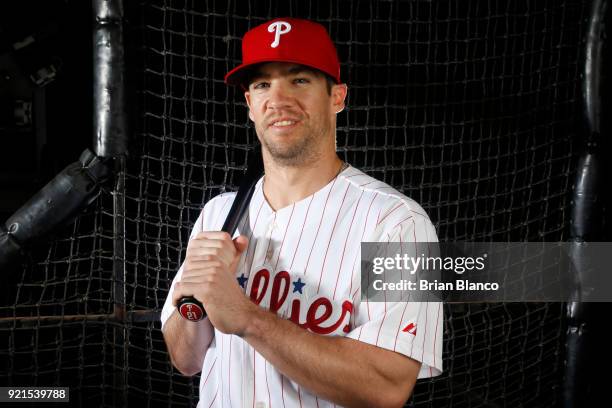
197	285
241	243
202	274
203	257
206	242
184	289
198	267
220	245
214	235
210	254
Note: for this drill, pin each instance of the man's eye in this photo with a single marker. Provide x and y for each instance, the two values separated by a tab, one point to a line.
261	85
301	80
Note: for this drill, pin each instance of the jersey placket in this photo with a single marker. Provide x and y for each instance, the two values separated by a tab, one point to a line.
265	235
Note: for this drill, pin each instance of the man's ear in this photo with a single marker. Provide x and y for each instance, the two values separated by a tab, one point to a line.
247	97
338	94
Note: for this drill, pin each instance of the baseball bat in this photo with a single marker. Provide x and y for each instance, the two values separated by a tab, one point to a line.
189	307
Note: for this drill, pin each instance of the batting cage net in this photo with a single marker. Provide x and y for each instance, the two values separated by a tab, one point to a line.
468	107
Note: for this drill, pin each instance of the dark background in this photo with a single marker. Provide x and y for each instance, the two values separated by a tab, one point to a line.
61	120
472	109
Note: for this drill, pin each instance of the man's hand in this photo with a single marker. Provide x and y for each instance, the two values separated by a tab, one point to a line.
209	275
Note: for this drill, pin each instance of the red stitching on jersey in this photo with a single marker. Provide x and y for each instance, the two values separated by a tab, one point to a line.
283	389
368	308
267	386
229	372
221	211
331	235
420	307
406	304
221	370
386	215
398	224
436	334
352	277
208	375
348	234
422	215
352	318
269	240
246	257
385	276
402	251
399	327
414	341
382	322
300	237
355	293
319	227
425	334
214	398
254	376
300	396
361	240
284	236
362	235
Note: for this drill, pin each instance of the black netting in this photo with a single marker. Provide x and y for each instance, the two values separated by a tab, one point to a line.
469	107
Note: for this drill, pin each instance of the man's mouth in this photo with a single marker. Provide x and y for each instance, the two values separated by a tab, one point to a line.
283	123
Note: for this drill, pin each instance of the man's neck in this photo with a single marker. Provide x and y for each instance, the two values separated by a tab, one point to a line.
284	186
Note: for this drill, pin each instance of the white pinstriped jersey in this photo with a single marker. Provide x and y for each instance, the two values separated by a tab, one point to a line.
303	261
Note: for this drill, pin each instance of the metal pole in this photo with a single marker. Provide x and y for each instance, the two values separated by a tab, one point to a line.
586	220
110	140
110	119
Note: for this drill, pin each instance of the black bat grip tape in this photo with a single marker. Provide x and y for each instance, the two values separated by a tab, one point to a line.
189	307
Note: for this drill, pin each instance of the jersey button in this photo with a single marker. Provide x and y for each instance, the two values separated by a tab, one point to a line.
260	404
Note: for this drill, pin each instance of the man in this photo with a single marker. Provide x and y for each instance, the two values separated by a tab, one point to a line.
286	325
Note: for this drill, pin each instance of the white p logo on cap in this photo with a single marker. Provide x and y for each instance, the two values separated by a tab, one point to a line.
279	28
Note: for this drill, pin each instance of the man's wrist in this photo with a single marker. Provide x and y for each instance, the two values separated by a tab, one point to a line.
255	318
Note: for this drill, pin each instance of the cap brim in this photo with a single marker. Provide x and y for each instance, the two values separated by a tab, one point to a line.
236	75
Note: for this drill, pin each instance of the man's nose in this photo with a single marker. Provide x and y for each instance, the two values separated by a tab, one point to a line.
279	96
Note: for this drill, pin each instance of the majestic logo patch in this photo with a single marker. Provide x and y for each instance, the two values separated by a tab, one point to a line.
278	28
410	328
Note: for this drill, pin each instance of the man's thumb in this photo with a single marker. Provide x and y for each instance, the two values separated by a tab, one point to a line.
241	243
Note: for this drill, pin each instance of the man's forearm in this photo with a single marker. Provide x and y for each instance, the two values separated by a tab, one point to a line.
187	342
342	370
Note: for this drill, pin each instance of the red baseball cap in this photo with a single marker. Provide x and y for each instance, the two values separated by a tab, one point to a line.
287	40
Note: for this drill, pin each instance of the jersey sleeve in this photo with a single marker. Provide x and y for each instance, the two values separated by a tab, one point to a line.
168	306
414	329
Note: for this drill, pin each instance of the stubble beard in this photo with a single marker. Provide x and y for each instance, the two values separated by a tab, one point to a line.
305	150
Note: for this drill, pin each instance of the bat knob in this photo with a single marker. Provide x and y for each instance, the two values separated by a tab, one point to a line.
191	309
